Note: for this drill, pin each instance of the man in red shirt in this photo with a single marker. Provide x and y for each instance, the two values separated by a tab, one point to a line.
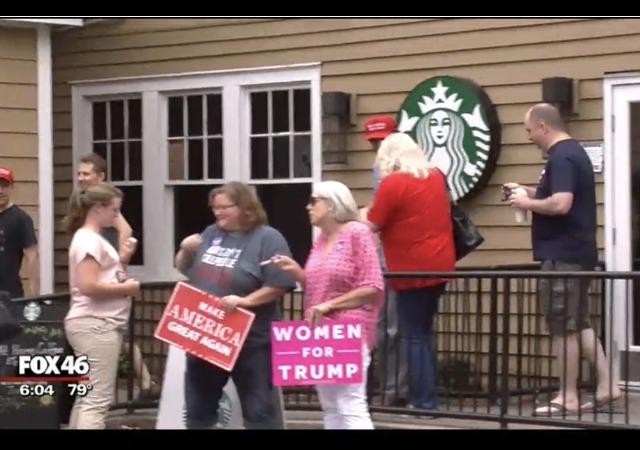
392	360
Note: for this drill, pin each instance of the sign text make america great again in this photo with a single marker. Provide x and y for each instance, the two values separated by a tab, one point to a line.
194	321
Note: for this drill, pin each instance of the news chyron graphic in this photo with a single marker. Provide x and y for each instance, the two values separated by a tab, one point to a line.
36	371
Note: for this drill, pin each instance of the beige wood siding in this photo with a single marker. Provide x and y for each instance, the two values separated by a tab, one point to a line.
380	60
19	115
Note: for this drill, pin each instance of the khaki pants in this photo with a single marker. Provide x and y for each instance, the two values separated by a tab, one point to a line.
100	340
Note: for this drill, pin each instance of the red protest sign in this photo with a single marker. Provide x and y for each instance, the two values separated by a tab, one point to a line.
194	322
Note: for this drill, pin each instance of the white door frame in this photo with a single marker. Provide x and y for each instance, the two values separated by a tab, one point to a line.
618	92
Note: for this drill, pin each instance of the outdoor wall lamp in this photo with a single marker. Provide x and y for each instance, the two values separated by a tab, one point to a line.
338	116
560	92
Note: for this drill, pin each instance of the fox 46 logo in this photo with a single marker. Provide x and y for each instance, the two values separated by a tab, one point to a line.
53	366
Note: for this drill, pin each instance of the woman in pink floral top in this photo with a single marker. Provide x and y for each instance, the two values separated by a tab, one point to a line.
342	280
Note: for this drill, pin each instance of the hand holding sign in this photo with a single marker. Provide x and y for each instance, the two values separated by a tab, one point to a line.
231	302
316	313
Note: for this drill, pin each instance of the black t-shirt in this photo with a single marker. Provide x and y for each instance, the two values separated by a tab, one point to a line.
568	238
16	235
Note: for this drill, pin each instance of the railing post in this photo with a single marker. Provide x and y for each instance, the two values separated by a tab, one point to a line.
493	343
504	386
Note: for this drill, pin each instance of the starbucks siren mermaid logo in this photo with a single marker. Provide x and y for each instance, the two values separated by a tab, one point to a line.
451	129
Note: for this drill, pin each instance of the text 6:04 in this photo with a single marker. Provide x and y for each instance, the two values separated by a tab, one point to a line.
36	390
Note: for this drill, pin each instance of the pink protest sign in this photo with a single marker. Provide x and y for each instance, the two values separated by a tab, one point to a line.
330	353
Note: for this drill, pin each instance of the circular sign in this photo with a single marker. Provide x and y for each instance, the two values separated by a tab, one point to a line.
457	126
31	311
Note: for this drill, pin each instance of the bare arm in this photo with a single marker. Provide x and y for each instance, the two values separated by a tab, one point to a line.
32	270
183	260
124	233
262	296
353	299
557	205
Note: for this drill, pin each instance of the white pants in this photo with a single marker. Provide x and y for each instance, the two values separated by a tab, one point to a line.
345	405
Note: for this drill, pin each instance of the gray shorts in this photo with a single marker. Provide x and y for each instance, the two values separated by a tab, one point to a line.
564	302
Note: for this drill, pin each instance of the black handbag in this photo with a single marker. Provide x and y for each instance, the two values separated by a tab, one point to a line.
9	325
466	236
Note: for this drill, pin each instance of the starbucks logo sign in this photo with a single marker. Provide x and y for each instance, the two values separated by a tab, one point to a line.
457	125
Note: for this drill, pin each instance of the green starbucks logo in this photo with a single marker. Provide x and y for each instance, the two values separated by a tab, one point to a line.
456	124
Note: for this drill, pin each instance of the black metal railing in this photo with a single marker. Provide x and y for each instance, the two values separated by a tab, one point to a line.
494	352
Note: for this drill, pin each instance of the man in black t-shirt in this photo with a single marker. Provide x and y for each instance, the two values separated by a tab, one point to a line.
563	233
18	243
92	170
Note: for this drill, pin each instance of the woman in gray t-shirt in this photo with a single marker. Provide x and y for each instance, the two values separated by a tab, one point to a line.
225	261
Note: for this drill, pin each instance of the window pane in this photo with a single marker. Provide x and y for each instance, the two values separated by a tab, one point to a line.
175	125
191	212
194	115
135	118
260	158
116	171
281	157
302	156
285	205
99	121
100	149
132	206
215	158
259	117
302	110
214	114
176	160
196	159
116	114
280	111
135	161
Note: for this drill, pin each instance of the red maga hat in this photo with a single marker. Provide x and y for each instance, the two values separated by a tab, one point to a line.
379	127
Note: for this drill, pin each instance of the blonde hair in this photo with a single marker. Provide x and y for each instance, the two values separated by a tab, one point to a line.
339	198
398	152
82	200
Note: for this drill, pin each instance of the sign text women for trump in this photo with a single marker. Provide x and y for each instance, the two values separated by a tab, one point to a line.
330	353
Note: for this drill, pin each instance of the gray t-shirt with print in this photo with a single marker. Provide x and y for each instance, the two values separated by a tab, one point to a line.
228	263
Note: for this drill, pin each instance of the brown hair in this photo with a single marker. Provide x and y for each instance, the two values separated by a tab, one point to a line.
82	200
98	162
252	214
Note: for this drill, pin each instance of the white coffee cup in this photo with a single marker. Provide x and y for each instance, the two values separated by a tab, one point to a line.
521	214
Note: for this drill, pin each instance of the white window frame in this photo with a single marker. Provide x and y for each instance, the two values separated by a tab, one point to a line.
236	86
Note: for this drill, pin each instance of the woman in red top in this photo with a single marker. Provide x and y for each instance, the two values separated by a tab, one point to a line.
411	212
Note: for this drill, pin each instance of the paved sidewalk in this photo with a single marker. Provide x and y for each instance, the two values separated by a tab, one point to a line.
312	420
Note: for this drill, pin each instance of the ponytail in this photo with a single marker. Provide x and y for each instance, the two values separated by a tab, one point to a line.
76	213
81	202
